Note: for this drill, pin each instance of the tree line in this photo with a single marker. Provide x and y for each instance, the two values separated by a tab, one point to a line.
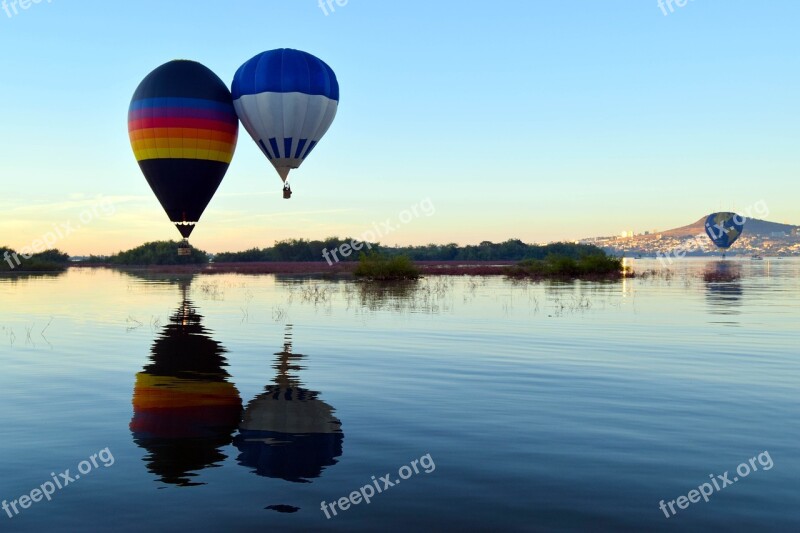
312	250
301	250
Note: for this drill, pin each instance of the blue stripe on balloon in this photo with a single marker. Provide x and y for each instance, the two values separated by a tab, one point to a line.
287	147
300	145
274	144
310	147
193	103
285	71
264	148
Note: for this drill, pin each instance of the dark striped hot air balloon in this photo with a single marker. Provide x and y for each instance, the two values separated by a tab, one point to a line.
183	130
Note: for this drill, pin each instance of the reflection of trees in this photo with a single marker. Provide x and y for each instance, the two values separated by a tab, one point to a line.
426	296
722	271
150	277
16	277
287	432
375	296
431	295
185	409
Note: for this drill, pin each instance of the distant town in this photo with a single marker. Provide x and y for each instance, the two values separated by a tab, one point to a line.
759	238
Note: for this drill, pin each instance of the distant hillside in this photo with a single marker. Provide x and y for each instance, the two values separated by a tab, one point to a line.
759	237
752	226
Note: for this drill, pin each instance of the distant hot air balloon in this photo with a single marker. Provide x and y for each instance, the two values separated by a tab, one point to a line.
183	130
286	100
724	228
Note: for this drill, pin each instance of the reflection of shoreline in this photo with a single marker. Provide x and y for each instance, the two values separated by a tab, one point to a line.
287	432
319	269
28	275
185	409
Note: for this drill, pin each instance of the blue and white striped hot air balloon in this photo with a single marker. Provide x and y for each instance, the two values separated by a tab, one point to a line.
286	99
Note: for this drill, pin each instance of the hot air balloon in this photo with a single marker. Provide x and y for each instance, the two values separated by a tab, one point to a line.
286	100
724	228
183	130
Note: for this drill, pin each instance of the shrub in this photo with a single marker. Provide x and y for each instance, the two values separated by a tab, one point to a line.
47	261
559	266
158	253
380	267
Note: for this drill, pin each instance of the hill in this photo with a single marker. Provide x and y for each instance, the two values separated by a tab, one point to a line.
752	226
759	237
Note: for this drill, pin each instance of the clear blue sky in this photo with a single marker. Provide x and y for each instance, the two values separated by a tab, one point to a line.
539	120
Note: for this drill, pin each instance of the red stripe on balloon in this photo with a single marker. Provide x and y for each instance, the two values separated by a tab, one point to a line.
180	122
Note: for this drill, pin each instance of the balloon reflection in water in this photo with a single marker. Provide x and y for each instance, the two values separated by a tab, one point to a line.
723	288
287	431
185	409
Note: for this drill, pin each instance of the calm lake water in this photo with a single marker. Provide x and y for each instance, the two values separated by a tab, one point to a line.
223	402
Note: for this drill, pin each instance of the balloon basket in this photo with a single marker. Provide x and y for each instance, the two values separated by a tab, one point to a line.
184	249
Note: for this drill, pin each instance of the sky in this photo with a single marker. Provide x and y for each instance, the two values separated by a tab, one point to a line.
536	120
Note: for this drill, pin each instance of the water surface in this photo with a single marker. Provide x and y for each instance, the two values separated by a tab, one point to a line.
233	401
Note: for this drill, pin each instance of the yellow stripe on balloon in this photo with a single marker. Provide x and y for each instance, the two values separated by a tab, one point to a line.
183	143
166	391
222	153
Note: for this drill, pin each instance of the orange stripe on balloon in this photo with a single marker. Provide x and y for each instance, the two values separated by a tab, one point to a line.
191	133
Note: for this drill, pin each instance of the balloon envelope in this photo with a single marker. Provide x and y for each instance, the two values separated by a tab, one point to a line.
183	130
724	228
286	99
